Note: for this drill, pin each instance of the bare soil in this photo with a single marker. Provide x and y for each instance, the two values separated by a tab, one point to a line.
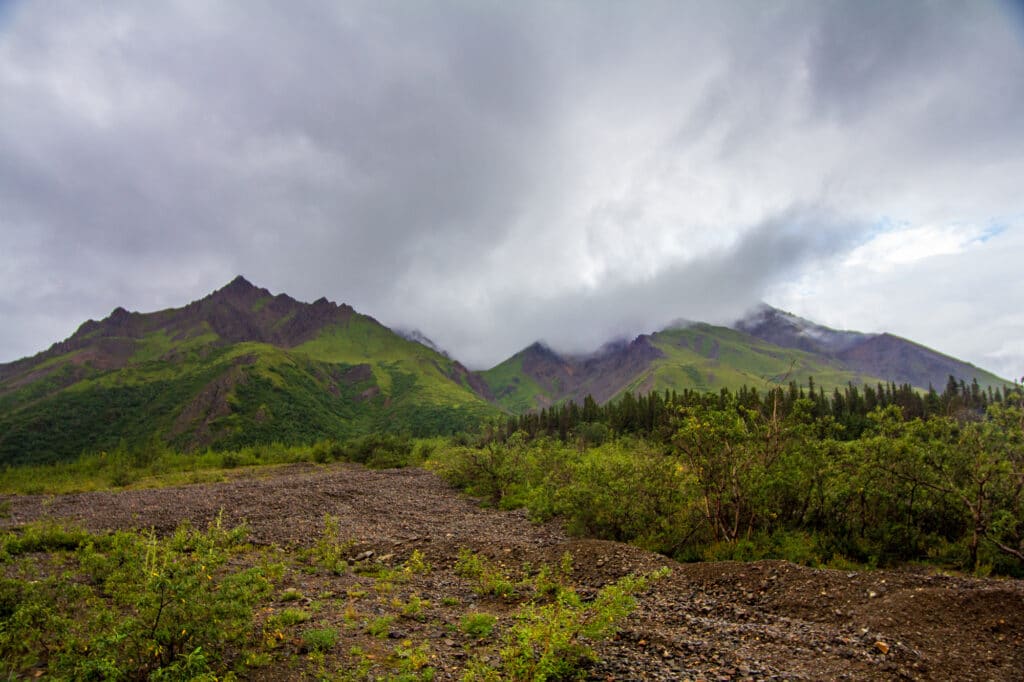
709	621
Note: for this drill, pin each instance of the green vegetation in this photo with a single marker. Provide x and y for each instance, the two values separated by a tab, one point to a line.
125	605
168	377
155	465
320	639
552	633
478	625
853	478
704	357
513	389
200	605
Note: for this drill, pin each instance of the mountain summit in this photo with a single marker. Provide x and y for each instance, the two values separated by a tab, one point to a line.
882	355
239	366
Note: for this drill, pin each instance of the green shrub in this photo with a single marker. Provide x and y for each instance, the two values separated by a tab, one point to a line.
552	641
320	639
478	625
131	605
380	626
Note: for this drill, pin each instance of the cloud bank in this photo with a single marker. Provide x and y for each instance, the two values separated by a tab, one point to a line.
493	174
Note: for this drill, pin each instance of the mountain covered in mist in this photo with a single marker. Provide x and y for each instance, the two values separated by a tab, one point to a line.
242	366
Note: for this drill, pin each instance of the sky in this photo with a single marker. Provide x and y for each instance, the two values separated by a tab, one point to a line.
495	173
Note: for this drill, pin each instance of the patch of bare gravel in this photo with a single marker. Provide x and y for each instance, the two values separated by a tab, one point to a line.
712	621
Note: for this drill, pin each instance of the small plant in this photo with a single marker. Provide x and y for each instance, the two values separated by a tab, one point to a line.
351	615
380	626
551	641
319	639
488	578
469	565
291	594
288	617
450	601
413	608
417	563
478	625
413	661
330	552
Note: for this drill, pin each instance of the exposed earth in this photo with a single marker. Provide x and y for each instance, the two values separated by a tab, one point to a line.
710	621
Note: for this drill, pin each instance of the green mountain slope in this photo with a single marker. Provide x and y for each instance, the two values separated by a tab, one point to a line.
699	357
237	367
708	358
885	355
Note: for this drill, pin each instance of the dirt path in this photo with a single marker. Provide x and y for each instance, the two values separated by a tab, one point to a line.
713	621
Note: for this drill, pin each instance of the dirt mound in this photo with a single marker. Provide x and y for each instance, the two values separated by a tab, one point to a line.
712	621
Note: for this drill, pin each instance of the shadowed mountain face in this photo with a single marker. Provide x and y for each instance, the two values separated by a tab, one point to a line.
882	355
789	331
236	367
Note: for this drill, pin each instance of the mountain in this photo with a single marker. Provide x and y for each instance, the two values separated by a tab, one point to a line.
243	366
537	376
422	339
884	355
789	331
767	348
696	356
239	366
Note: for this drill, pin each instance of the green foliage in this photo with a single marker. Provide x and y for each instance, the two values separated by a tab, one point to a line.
487	578
319	639
733	477
130	605
193	393
417	564
478	625
380	626
552	640
330	552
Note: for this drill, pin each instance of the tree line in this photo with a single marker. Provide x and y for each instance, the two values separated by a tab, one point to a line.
651	415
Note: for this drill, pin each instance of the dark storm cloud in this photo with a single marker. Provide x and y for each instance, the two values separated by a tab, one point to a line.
490	173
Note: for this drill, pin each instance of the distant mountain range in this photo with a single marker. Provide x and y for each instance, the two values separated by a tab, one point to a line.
243	366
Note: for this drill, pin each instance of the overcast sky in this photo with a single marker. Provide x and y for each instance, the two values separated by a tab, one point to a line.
497	173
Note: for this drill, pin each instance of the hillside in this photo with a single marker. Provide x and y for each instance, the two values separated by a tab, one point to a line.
238	366
883	355
767	348
700	357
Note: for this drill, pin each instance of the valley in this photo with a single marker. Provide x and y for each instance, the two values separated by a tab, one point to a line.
715	620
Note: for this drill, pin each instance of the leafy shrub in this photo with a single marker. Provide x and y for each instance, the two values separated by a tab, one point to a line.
478	625
320	639
133	606
552	641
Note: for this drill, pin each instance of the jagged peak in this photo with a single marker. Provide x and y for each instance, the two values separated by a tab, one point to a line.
239	282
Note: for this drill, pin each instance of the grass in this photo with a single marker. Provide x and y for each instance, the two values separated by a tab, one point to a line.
707	358
516	392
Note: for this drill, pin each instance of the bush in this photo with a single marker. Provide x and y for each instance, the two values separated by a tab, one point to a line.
131	606
320	639
478	625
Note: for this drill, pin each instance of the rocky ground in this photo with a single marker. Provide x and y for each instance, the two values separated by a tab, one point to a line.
710	621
